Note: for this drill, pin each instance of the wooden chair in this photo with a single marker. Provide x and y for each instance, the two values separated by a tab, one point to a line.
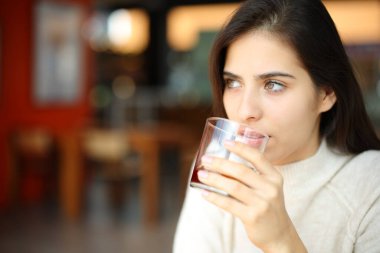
107	153
34	166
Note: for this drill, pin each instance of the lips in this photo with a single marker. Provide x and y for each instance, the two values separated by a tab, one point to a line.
254	142
251	137
250	133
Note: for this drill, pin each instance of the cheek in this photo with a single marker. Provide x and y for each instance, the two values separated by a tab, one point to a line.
293	116
229	106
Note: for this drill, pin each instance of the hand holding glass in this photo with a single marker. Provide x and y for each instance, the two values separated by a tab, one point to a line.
216	132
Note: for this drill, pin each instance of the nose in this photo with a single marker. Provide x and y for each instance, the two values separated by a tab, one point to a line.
250	107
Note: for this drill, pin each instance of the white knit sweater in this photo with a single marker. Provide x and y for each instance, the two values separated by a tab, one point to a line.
333	201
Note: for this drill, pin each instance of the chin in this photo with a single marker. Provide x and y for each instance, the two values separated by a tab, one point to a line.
275	154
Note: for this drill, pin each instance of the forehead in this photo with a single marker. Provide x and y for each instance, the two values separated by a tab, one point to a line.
262	49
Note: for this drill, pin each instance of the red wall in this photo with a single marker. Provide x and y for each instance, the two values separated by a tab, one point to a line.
16	64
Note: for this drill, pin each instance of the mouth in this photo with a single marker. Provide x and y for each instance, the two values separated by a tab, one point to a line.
247	132
252	137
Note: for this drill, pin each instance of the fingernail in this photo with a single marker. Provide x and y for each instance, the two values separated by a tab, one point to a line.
202	174
206	160
229	143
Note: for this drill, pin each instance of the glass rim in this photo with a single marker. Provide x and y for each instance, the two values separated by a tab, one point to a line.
236	124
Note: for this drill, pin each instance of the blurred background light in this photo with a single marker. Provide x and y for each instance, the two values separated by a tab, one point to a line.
185	23
95	31
100	96
123	87
357	21
128	30
119	27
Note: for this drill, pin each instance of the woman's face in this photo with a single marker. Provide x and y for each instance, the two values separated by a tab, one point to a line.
267	87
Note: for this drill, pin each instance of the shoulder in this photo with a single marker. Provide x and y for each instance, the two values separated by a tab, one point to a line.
359	187
359	176
352	171
370	157
366	163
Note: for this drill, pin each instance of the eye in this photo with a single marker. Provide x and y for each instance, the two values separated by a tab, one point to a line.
231	83
274	86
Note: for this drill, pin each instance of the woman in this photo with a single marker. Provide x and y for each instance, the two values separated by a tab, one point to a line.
279	66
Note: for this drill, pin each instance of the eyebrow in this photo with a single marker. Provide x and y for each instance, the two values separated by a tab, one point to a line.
229	74
262	76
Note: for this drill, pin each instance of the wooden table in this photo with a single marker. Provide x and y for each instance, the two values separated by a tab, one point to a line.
147	141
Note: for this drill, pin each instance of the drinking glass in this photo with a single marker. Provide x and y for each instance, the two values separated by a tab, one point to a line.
216	132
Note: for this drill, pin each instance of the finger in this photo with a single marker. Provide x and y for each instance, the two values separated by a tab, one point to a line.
232	187
231	205
228	204
235	170
252	155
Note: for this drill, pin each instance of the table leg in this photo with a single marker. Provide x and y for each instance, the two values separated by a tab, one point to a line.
148	149
70	176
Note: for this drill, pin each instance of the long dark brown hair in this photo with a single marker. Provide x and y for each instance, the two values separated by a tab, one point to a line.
308	28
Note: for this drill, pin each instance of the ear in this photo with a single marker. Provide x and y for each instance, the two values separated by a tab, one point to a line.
327	99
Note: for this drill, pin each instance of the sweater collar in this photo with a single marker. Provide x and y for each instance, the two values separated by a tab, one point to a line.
319	167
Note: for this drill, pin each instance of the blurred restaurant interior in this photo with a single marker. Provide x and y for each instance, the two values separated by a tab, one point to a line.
102	106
